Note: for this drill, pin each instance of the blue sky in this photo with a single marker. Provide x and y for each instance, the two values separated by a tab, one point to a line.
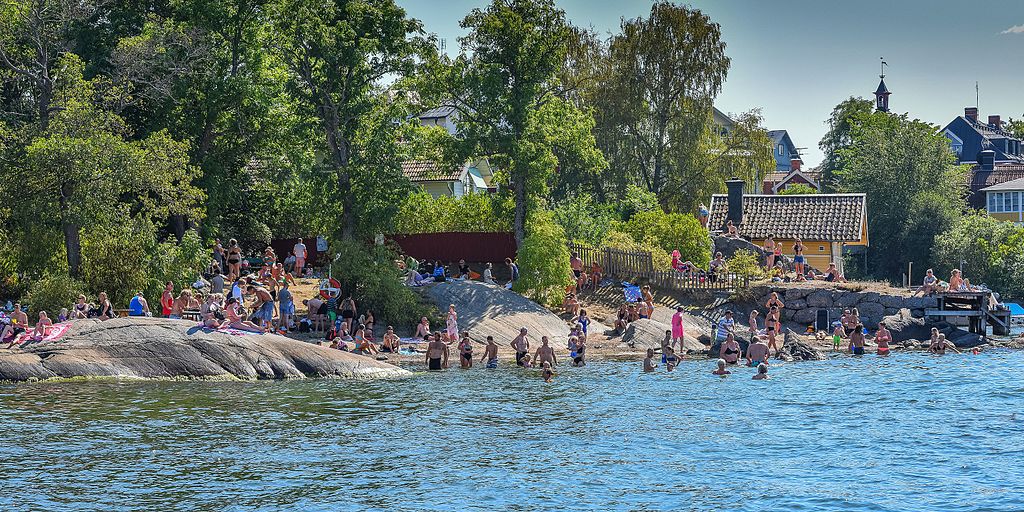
796	59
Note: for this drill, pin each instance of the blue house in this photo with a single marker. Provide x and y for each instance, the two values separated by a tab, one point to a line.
785	152
994	154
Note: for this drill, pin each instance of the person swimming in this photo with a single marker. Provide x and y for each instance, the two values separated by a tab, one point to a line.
730	350
649	365
721	371
547	373
762	372
757	352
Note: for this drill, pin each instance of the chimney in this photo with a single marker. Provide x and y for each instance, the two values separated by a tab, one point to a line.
971	113
986	159
735	212
794	163
994	122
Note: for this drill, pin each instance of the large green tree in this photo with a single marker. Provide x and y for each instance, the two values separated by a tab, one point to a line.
839	137
914	189
338	53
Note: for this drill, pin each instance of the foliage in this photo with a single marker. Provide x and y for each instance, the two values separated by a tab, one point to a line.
114	260
745	263
988	250
798	188
422	213
178	262
914	189
671	231
368	273
52	292
584	220
624	242
840	136
543	260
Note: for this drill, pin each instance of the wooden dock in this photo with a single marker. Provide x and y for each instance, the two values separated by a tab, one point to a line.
975	309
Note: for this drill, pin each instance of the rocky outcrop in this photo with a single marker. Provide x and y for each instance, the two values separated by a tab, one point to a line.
486	310
728	246
795	349
912	332
802	302
163	348
646	333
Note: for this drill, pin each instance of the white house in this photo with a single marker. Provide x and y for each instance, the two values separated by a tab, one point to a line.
471	178
444	116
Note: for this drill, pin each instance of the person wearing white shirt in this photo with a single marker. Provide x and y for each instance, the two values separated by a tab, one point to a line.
300	257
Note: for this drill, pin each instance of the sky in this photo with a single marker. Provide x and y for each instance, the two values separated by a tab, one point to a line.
797	59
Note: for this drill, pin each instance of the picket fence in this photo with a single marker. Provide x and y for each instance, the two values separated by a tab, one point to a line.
639	265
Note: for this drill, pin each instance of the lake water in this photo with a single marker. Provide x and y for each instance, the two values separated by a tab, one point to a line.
904	433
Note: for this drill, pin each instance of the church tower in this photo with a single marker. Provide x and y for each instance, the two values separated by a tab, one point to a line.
882	93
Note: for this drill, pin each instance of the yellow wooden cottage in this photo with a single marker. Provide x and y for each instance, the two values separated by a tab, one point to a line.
829	225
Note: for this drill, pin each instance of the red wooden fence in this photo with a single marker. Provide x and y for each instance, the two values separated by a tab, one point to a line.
450	247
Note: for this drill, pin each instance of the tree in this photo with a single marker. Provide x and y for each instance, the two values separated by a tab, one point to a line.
1016	127
914	189
798	188
337	53
839	137
988	250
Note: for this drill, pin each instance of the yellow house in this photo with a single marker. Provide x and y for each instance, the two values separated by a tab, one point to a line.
470	178
1004	201
829	225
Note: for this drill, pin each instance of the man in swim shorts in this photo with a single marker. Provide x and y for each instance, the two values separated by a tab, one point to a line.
521	345
545	354
757	352
490	353
437	353
857	340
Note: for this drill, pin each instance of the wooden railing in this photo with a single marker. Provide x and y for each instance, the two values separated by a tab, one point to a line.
640	265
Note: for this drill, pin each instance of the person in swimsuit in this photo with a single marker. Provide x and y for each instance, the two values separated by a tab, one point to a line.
798	256
649	365
581	349
882	338
525	362
423	329
263	306
42	326
837	337
547	373
721	371
940	345
576	264
857	340
669	356
167	299
772	328
451	323
752	322
437	353
234	259
730	350
521	345
390	343
771	249
757	352
348	310
363	345
544	353
466	351
234	320
490	353
762	372
81	308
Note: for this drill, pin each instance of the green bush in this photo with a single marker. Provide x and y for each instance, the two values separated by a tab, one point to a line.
584	220
671	231
114	260
636	200
473	213
368	273
52	292
798	188
746	263
623	242
543	260
180	263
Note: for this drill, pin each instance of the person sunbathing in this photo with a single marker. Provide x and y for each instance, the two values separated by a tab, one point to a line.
235	321
42	326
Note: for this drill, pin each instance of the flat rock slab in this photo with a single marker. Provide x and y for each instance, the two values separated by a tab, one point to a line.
158	348
487	310
646	333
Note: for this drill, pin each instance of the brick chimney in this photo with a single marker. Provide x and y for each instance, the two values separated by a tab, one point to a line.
994	122
735	212
971	113
794	163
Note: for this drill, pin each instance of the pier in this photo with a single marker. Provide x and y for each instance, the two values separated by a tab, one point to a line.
973	309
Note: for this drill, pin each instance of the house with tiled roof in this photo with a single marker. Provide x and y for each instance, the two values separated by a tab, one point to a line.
993	153
786	154
445	116
829	225
438	180
1005	200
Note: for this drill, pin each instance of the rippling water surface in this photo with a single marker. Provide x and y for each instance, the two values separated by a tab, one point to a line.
908	432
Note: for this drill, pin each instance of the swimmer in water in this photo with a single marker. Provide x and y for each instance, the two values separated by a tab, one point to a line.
490	353
882	338
547	373
757	352
670	358
721	371
649	365
762	372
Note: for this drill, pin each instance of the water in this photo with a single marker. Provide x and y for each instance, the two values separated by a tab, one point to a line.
908	432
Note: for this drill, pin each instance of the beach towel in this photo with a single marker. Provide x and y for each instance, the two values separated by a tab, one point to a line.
632	293
54	333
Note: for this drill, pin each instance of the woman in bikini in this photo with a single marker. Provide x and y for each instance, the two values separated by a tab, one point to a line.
106	309
882	339
772	250
234	259
798	256
771	326
363	345
730	350
235	321
466	352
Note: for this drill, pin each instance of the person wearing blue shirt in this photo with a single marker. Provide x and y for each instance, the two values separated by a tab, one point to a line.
138	306
513	270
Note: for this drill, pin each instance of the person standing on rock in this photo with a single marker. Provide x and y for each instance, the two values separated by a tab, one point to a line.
513	270
773	300
678	332
452	323
770	248
299	250
798	256
263	305
167	299
576	264
726	326
544	353
772	327
730	350
490	353
752	322
218	254
437	353
521	345
757	352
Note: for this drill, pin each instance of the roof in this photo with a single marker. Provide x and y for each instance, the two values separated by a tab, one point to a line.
776	135
437	112
1017	184
979	180
817	217
976	136
427	170
882	89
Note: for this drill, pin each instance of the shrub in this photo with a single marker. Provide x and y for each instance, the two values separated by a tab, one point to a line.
474	213
368	273
746	264
636	200
623	242
52	292
798	188
180	263
584	220
543	260
671	231
113	260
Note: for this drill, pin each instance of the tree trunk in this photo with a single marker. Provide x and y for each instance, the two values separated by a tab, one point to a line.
348	219
73	247
519	223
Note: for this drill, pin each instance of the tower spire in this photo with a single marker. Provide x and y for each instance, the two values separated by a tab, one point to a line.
882	92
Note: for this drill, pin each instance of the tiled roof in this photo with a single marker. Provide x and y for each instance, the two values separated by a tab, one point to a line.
978	180
774	177
817	217
442	111
426	170
1017	184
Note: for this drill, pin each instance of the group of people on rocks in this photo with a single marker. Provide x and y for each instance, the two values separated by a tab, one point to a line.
802	271
418	273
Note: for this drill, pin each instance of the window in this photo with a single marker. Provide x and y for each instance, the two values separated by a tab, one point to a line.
1016	201
991	202
1007	206
781	149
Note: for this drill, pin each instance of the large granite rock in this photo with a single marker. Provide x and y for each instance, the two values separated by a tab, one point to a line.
905	327
486	310
646	333
795	349
163	348
728	246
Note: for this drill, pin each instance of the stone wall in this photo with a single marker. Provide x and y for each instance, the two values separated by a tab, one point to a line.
803	302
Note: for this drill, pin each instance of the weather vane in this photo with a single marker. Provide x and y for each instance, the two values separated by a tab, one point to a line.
883	67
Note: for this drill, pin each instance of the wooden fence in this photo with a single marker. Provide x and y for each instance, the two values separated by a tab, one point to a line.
640	265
